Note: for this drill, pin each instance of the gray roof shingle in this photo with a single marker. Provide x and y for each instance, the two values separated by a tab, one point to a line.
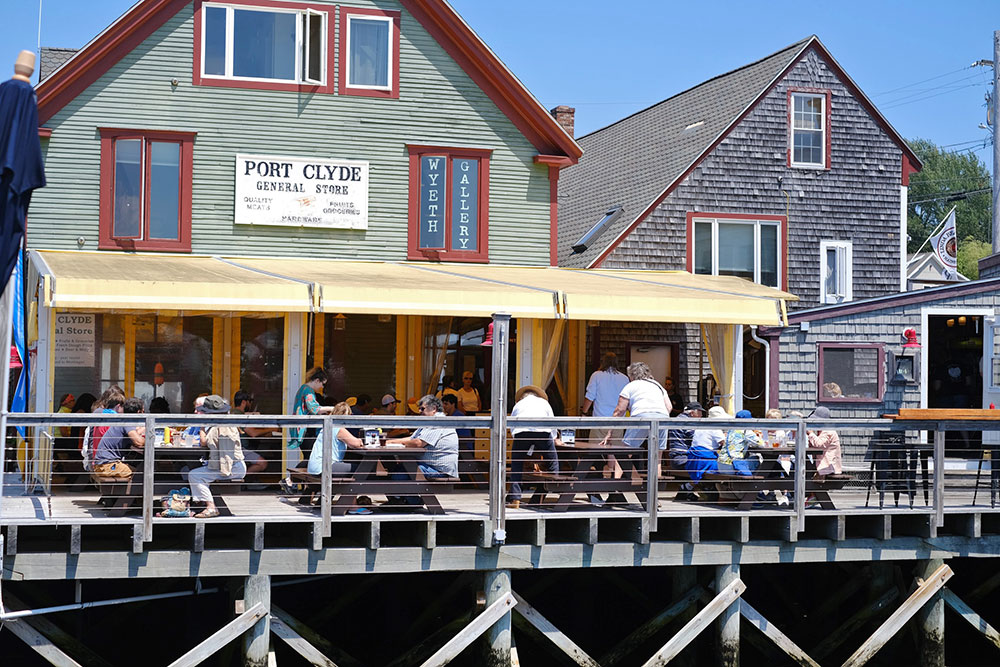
632	161
52	59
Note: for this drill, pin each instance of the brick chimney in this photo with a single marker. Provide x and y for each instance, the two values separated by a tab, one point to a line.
564	116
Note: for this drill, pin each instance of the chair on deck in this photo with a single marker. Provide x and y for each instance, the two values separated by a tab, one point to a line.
893	467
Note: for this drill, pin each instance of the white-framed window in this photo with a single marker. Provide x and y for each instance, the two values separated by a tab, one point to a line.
369	62
746	246
836	259
264	44
808	129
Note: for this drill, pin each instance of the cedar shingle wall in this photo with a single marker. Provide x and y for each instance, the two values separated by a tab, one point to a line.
857	199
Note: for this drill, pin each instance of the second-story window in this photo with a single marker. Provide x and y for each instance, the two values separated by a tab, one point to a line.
246	44
145	189
369	52
809	129
750	247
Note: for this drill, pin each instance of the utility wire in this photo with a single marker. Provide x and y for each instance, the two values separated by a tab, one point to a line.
950	196
933	78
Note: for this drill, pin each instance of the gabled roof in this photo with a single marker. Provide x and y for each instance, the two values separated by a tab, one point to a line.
436	16
50	59
639	160
927	266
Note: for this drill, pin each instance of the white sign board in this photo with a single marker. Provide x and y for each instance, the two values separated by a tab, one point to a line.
76	335
301	192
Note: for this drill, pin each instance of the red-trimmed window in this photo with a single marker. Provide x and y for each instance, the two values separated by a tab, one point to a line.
748	246
146	190
369	52
851	373
809	128
264	44
449	204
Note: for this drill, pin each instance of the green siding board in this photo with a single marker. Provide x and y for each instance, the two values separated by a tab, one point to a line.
439	104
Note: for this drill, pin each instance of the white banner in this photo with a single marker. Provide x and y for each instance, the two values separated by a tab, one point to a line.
945	247
301	192
76	334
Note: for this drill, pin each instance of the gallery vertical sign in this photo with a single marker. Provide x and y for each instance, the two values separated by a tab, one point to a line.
465	204
433	172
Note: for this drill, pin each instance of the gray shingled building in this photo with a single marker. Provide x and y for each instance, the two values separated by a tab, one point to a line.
781	171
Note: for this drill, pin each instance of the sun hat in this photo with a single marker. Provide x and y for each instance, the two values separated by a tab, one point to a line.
718	412
215	405
519	394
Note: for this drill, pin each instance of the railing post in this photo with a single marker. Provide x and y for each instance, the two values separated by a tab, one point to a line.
326	484
148	451
939	434
498	427
800	474
652	471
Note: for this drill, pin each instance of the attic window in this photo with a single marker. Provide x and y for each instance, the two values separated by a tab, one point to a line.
606	221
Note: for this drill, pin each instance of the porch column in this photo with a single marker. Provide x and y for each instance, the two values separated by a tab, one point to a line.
498	637
257	588
498	427
728	623
931	619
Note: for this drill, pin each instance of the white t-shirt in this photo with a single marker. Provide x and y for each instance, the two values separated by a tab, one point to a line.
645	397
603	389
531	406
708	438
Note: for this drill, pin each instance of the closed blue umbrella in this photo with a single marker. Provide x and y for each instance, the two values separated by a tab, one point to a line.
21	168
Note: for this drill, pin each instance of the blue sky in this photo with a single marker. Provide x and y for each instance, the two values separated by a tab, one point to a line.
612	59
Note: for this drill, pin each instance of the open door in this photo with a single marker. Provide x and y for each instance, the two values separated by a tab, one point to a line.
991	372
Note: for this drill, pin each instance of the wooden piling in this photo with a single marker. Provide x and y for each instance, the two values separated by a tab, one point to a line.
930	619
257	589
496	647
728	622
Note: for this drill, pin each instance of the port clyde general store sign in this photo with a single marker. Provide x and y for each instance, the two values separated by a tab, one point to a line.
301	192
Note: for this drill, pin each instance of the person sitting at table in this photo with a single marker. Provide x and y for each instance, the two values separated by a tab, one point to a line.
343	440
678	444
530	401
225	457
703	454
735	454
466	438
110	402
829	462
468	395
447	387
390	404
117	442
440	458
244	404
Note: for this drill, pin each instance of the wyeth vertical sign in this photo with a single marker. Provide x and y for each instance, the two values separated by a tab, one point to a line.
301	192
449	203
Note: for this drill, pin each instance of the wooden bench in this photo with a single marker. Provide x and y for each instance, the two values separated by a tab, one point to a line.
568	486
117	494
742	488
349	488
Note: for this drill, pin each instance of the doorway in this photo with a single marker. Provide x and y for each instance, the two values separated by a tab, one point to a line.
954	352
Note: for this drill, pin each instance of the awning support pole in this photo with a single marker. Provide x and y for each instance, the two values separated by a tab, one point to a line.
498	428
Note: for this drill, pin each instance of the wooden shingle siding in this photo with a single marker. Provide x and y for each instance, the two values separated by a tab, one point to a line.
799	359
857	199
439	105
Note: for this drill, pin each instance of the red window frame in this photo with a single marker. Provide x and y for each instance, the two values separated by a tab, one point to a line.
198	79
782	237
413	252
342	86
107	203
826	126
821	349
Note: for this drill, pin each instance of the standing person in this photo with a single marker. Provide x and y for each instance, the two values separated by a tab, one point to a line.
603	389
305	404
468	395
530	401
225	457
643	396
676	400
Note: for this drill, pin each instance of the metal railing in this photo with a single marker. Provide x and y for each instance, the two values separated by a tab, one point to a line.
948	480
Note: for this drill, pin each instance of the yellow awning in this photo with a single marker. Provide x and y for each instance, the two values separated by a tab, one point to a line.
88	280
148	281
412	288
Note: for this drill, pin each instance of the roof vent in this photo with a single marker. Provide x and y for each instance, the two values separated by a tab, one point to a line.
693	126
606	220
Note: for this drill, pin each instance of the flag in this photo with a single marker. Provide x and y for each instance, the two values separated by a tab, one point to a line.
945	246
19	403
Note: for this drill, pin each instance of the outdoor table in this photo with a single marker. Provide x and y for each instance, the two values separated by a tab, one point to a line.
770	476
577	461
365	479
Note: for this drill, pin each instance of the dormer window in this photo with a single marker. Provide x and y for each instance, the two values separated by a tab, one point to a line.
282	48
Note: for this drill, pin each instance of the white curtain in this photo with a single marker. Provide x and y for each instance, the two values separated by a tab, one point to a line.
720	342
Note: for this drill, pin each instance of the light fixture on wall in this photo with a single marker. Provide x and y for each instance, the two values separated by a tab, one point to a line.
950	322
962	321
488	341
384	318
910	336
339	322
